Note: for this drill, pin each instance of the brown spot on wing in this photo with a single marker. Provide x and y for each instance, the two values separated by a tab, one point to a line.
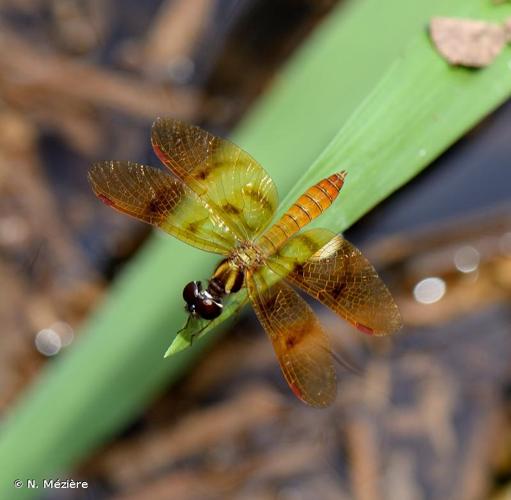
308	242
298	269
338	289
260	199
230	209
270	302
202	174
290	341
195	226
298	250
163	201
294	338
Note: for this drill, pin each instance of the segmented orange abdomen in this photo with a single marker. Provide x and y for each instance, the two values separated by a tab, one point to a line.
311	204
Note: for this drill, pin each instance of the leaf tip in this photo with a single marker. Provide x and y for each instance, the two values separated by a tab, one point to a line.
177	345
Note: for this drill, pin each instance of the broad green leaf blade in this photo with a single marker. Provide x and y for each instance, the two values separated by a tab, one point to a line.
418	110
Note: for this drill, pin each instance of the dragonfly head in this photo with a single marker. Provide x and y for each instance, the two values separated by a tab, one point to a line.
200	302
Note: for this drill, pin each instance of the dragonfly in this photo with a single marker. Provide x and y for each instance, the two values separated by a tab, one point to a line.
217	198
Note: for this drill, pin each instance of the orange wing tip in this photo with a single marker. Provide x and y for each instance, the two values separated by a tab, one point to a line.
300	396
370	331
162	156
296	391
105	199
154	143
364	329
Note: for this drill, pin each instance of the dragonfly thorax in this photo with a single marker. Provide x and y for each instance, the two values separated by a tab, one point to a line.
246	255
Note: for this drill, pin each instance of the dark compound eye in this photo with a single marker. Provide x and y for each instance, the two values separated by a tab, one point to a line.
208	308
191	291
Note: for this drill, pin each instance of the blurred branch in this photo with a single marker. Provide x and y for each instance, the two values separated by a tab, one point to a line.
26	71
131	462
173	35
364	458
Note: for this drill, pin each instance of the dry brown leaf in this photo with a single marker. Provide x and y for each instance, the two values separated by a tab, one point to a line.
466	42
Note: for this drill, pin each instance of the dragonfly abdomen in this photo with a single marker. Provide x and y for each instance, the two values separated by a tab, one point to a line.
309	206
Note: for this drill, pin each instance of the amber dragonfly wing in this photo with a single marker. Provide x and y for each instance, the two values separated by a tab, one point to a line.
156	197
232	184
301	345
339	276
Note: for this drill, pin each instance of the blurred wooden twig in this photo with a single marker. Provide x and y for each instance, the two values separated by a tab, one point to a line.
26	71
193	434
172	37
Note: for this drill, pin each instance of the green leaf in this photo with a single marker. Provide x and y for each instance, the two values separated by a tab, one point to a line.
182	340
419	108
